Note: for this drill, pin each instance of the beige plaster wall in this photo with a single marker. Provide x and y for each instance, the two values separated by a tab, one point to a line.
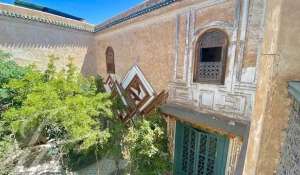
163	38
221	12
279	63
156	40
31	41
149	47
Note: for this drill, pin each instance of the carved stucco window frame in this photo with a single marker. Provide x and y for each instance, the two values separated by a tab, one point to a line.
228	29
223	61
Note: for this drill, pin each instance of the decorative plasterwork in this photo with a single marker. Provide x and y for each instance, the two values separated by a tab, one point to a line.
223	25
234	98
234	155
228	28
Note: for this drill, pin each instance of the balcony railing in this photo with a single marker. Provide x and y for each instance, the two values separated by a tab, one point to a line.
209	72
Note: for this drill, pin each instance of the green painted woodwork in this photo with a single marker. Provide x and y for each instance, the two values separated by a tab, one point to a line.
199	152
294	89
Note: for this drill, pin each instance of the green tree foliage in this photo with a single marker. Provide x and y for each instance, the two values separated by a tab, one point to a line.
146	144
59	105
75	112
8	70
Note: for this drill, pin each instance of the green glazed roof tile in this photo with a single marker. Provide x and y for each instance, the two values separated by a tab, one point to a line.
45	20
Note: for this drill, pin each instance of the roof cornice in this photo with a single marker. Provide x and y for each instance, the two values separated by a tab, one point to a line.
25	14
140	10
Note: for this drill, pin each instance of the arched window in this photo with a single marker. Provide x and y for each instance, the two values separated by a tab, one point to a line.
110	60
210	61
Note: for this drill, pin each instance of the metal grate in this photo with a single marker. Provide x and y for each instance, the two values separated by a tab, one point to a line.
199	153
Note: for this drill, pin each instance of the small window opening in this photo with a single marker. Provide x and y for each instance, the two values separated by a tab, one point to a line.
213	54
110	60
211	51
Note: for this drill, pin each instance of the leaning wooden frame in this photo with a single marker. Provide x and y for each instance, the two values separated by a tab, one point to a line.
136	94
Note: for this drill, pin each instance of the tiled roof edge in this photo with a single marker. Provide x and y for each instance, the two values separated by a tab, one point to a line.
294	90
45	20
108	23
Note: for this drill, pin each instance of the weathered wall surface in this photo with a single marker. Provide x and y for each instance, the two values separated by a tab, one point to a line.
279	63
31	36
290	154
163	43
103	167
150	47
235	98
254	35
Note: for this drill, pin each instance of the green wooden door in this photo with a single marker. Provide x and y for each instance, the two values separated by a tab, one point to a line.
198	152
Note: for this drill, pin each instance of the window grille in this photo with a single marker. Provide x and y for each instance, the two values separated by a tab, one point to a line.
199	153
210	62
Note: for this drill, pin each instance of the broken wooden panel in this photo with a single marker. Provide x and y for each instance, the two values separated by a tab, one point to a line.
160	99
109	83
136	94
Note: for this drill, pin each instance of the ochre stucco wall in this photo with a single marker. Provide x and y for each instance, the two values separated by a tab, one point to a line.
149	47
222	12
279	63
151	41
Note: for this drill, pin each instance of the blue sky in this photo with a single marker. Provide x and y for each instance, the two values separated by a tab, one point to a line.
93	11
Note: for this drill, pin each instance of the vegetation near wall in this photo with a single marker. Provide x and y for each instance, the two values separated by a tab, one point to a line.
72	112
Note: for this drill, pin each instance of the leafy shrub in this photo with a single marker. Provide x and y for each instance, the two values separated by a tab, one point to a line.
76	113
59	105
147	146
8	70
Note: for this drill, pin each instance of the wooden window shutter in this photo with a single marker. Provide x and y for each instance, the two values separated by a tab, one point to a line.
210	61
110	60
198	152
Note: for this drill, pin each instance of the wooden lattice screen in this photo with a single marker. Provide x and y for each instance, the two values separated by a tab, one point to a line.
210	62
198	152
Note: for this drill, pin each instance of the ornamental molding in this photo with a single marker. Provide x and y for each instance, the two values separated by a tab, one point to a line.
125	17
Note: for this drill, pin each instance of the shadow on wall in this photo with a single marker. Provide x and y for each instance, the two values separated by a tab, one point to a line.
89	66
32	42
21	33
